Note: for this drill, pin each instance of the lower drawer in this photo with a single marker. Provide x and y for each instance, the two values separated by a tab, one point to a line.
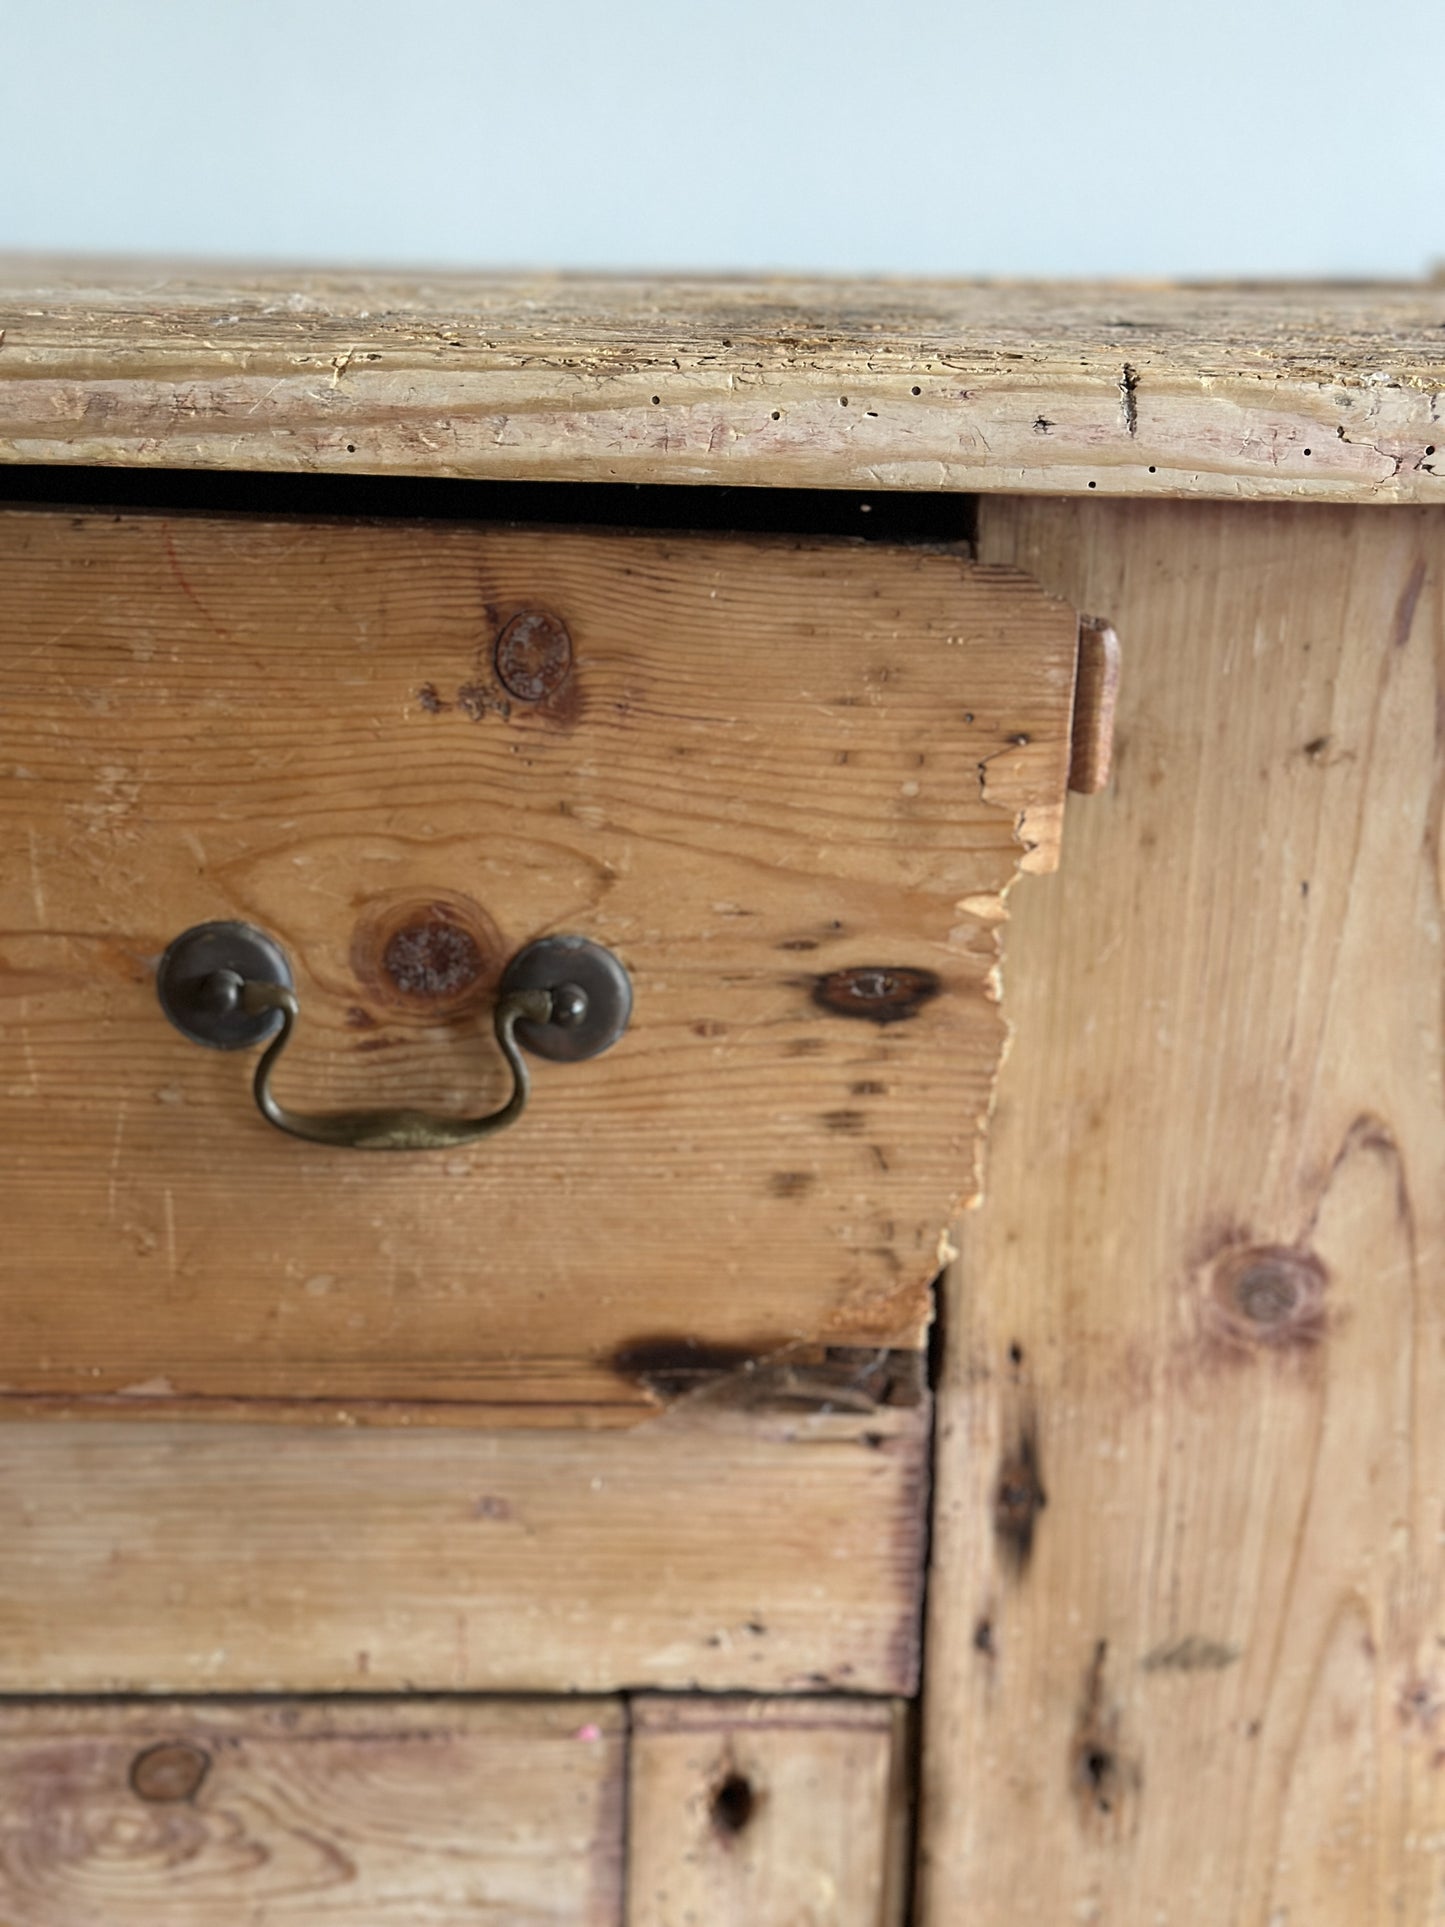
220	1813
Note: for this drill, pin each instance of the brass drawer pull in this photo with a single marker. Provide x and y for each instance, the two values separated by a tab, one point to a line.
230	987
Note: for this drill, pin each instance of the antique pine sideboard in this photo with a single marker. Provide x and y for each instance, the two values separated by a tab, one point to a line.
898	1425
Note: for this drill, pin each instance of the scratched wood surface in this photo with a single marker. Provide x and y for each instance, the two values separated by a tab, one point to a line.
788	783
212	1814
1187	1649
1324	392
777	1548
767	1813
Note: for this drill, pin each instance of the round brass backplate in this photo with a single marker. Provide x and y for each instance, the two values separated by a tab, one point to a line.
583	1025
199	980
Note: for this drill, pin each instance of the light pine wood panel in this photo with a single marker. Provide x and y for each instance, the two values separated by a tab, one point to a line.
792	1813
1328	392
1187	1649
789	783
217	1815
778	1549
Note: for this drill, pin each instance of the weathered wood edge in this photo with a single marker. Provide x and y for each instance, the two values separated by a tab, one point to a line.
1316	393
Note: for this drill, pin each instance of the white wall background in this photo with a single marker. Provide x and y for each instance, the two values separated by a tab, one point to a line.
1055	137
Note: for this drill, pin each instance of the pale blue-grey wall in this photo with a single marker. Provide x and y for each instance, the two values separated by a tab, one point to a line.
1057	137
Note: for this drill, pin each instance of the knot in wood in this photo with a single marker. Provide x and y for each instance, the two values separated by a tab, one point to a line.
533	655
169	1773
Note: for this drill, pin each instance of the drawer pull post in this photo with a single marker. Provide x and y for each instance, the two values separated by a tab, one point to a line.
230	987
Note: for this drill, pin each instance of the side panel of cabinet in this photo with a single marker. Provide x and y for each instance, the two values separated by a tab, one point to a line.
1187	1650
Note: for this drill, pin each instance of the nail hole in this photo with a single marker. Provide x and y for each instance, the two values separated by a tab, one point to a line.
777	414
1015	1353
733	1803
915	391
1152	469
657	401
1093	485
1431	449
842	401
351	448
1309	451
1098	1765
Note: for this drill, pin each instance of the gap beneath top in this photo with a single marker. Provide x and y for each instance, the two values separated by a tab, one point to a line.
878	516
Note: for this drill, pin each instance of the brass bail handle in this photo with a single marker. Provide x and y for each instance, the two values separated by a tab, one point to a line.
229	986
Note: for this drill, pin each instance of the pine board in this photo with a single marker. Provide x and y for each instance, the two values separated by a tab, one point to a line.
1187	1646
773	1550
767	1813
1326	392
223	1814
789	783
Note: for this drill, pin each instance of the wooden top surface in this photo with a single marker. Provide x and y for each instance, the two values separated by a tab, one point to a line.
1328	393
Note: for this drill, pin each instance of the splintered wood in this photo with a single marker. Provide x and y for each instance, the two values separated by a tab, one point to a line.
1187	1651
788	783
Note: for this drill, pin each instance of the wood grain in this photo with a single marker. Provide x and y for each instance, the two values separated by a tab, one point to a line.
1187	1649
772	1550
443	1811
792	1813
1329	393
788	783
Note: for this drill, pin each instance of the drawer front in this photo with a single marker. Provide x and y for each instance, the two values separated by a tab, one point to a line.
737	1812
786	784
226	1814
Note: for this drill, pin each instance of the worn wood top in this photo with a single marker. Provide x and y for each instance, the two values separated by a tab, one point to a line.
1328	393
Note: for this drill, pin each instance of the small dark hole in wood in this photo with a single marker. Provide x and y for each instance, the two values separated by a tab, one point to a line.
732	1804
1093	485
1099	1771
1016	1353
917	391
